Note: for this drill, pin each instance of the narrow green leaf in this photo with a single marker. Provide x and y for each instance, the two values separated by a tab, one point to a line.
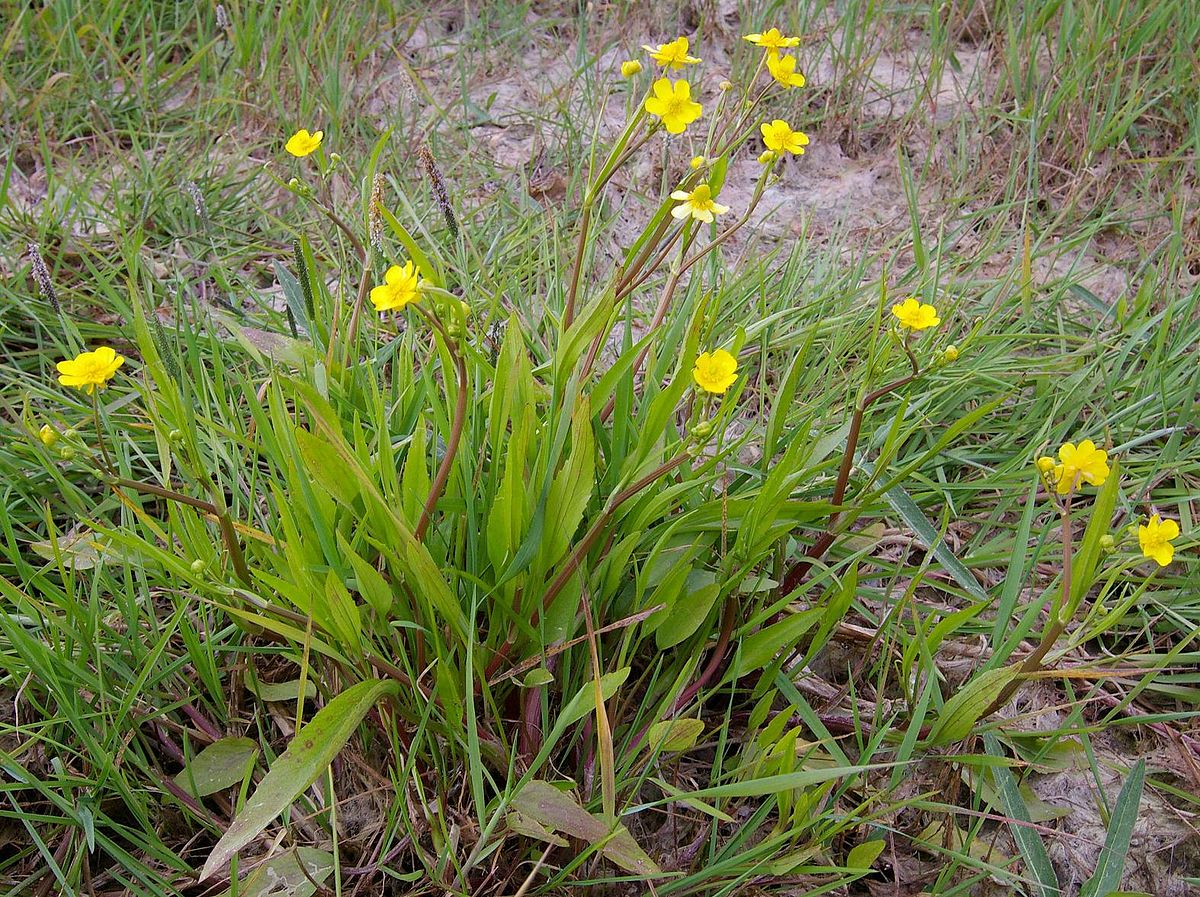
1089	552
309	754
221	765
1029	842
861	856
420	259
1110	866
959	715
903	504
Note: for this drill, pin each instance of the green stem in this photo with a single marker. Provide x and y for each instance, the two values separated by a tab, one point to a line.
1033	663
620	154
344	228
224	523
364	286
100	432
817	550
585	219
597	527
456	430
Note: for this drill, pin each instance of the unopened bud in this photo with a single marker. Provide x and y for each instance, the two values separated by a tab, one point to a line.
294	183
66	453
726	85
703	430
950	354
48	435
630	67
175	435
70	433
766	156
698	162
197	566
1045	464
1108	544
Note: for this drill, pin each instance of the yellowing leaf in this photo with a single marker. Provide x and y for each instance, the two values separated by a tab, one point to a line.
559	811
675	735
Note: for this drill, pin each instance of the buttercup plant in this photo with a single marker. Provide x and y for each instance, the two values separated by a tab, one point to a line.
529	556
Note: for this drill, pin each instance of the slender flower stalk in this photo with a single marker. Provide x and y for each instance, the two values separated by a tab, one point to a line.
823	543
456	427
100	440
224	522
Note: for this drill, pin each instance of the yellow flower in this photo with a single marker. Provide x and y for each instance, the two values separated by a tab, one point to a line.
1080	464
783	70
630	67
673	55
400	287
715	371
698	162
772	41
90	371
916	315
1045	464
48	435
673	104
302	143
779	136
1155	538
699	204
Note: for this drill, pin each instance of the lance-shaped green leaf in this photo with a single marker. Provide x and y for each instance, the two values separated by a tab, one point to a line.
311	751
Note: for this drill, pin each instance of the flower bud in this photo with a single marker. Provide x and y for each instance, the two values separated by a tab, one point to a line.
698	162
767	156
703	430
48	435
1108	544
630	67
175	435
726	85
1045	464
197	566
294	183
950	354
66	453
335	158
70	433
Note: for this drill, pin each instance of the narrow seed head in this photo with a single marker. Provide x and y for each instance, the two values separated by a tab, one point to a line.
197	199
410	90
42	275
305	283
440	195
167	350
375	214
